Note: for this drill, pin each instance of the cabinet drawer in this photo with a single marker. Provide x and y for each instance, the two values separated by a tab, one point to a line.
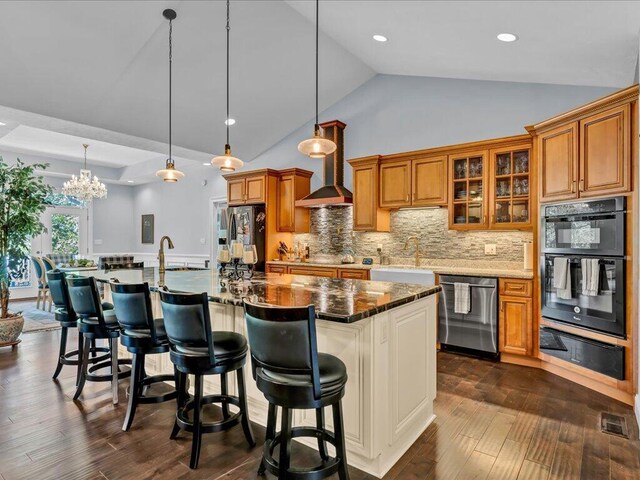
316	271
276	269
353	273
515	287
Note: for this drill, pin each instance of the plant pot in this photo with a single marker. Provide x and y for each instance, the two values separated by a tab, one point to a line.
10	329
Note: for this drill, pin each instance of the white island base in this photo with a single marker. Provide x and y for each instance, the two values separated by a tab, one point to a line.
391	363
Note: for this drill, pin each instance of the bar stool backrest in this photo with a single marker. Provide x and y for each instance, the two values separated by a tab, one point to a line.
85	298
187	320
132	303
40	270
60	292
283	340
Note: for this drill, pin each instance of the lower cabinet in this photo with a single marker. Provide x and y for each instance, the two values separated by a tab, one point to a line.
515	324
346	273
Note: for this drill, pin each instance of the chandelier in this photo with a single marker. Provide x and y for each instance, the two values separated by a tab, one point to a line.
84	187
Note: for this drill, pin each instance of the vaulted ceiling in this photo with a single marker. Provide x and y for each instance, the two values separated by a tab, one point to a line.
97	70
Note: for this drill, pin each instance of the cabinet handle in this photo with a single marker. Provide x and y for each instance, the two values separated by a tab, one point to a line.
502	306
573	187
484	219
582	184
407	197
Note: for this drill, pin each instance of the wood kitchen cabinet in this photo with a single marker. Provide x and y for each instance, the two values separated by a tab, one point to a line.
515	322
353	273
468	199
587	152
395	184
367	215
246	188
429	181
293	184
317	271
510	187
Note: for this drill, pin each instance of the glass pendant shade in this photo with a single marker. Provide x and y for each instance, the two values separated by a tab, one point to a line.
227	162
317	146
169	173
84	187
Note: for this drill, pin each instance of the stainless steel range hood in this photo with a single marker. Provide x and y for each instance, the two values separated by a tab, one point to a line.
333	192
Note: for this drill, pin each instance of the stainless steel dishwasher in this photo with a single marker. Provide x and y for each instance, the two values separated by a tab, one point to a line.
476	332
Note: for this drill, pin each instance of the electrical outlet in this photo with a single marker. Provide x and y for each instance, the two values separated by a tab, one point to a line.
490	249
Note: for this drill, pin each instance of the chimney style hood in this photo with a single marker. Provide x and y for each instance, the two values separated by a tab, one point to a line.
333	192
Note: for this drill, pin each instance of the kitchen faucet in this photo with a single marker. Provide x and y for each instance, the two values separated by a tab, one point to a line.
161	268
417	240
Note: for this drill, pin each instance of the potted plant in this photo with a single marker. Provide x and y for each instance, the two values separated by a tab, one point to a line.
22	201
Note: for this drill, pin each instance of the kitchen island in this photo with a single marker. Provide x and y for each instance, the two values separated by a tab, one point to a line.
385	333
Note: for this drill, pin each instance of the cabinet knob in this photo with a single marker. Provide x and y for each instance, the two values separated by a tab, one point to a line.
582	184
573	187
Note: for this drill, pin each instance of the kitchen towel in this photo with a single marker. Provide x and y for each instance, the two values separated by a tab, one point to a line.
590	276
461	298
562	277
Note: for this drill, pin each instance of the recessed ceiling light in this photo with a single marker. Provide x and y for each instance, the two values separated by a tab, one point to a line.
129	181
229	121
2	124
380	38
206	164
507	37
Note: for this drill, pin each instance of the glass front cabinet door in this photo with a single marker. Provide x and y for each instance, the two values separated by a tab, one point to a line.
468	201
510	180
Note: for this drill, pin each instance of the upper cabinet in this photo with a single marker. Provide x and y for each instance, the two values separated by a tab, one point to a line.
246	188
367	215
587	152
468	201
429	181
395	184
293	184
510	187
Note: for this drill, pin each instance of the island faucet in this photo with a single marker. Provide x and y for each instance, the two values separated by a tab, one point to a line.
161	268
417	240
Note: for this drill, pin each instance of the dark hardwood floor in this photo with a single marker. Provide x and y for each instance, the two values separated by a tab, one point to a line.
494	421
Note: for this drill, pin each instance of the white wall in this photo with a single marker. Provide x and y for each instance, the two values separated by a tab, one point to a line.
181	210
392	113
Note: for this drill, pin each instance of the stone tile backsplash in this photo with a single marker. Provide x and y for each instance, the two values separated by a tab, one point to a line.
331	234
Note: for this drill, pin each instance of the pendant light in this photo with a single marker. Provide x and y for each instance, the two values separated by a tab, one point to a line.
169	173
227	162
317	146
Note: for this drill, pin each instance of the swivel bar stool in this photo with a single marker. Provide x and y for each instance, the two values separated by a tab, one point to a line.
64	314
291	374
196	350
95	322
142	335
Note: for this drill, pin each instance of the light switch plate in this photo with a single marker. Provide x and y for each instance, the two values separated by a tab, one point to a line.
490	249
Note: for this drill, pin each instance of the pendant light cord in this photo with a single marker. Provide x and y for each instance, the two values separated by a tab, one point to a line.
227	119
317	30
85	155
170	76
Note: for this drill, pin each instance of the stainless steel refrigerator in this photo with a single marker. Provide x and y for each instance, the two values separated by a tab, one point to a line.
248	224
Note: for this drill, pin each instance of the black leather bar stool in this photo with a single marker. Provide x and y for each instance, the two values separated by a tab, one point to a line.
96	321
142	335
64	314
197	350
291	374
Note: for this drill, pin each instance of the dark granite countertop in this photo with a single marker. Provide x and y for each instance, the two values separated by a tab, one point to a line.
335	299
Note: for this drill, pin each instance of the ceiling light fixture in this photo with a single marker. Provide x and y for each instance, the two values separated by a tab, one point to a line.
317	146
507	37
129	181
227	162
380	38
2	124
84	187
169	173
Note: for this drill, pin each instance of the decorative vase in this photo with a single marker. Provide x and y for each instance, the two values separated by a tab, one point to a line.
10	329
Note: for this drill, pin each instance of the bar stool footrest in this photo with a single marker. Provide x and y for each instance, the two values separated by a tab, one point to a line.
209	427
325	469
146	399
107	377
